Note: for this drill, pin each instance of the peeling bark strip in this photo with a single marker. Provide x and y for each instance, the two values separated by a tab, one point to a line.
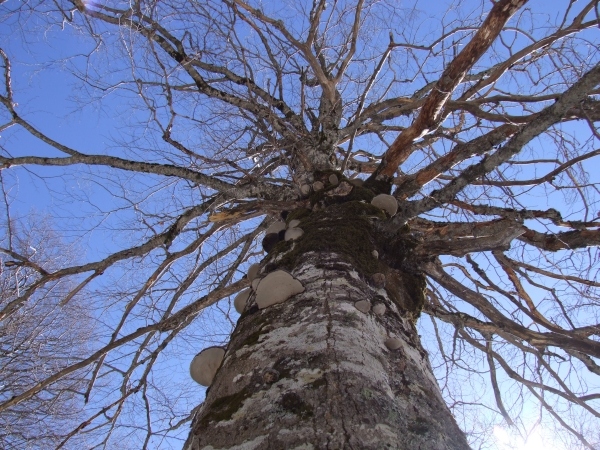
317	371
432	111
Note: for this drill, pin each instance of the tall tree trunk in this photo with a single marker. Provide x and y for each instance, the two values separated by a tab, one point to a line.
317	372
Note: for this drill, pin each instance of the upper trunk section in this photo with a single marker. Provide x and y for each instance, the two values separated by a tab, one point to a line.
339	365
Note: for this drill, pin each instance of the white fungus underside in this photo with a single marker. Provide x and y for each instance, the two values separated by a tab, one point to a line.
275	288
205	364
275	227
253	271
386	202
239	303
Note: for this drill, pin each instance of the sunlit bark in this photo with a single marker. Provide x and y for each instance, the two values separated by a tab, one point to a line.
337	366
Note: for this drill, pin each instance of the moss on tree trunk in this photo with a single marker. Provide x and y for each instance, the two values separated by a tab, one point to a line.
316	372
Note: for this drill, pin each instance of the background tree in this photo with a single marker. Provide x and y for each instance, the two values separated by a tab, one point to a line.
478	118
42	337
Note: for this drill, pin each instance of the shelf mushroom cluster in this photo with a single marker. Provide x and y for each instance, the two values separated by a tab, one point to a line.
278	286
319	185
364	306
241	299
279	231
275	287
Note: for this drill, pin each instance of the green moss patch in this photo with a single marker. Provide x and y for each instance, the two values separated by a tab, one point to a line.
420	426
253	338
298	214
223	409
343	228
379	186
360	193
292	402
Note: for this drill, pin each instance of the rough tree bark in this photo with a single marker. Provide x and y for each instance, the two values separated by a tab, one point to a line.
318	372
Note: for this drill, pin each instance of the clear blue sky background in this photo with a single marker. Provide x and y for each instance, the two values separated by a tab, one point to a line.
55	102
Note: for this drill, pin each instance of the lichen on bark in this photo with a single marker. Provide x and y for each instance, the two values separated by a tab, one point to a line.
336	383
332	381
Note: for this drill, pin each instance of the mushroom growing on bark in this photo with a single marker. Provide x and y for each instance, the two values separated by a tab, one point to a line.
317	186
379	309
205	364
363	306
277	287
255	283
292	234
253	271
333	179
393	343
386	202
378	280
276	227
240	300
293	223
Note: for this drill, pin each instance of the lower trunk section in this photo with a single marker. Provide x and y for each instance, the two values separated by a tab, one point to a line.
315	372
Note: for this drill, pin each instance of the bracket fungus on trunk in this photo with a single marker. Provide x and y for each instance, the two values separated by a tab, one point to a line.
386	202
378	280
293	223
305	189
277	287
253	271
317	186
240	301
276	227
205	364
292	234
363	306
255	283
379	309
393	343
333	179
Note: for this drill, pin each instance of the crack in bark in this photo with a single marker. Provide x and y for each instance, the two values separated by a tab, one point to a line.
335	359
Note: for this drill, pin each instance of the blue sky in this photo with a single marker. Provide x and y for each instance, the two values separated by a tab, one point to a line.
85	203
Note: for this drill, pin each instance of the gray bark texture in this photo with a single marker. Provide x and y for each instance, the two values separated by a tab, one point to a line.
315	372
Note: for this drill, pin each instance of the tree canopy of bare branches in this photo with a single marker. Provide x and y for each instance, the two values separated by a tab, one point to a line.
480	118
40	338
